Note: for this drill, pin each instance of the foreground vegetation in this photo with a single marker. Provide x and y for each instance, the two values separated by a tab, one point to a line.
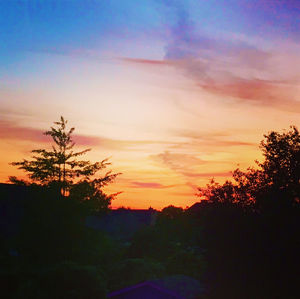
236	253
56	255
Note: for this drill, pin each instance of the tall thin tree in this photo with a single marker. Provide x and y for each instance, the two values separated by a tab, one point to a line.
60	166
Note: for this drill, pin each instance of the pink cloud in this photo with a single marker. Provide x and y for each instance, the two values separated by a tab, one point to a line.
10	130
267	93
238	70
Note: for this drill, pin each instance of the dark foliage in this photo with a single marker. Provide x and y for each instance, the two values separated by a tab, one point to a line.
66	280
275	184
61	170
251	226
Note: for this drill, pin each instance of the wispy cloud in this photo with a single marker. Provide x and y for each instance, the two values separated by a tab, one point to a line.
178	162
247	76
10	130
151	185
148	62
232	65
186	165
212	139
207	174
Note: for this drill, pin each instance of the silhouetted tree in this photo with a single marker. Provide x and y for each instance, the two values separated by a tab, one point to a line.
215	192
277	178
171	212
61	168
251	225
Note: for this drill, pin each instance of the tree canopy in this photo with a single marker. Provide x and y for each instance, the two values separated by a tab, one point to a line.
276	179
60	167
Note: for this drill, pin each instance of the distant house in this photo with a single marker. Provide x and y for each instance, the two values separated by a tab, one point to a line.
172	287
121	224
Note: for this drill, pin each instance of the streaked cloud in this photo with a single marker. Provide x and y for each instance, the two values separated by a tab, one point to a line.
246	76
212	139
208	175
10	130
232	66
151	185
177	162
187	165
148	62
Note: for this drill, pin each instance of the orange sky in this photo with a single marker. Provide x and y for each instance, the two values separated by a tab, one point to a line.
166	135
171	100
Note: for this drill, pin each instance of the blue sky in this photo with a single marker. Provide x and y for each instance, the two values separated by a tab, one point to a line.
62	25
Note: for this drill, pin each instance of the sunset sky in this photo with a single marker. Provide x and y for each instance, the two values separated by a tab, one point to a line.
174	92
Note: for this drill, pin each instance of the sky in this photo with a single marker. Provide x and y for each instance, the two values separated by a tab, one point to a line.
174	93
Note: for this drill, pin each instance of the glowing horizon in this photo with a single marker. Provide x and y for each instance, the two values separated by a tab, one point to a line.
175	92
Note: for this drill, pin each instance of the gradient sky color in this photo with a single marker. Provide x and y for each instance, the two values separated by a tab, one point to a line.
174	92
